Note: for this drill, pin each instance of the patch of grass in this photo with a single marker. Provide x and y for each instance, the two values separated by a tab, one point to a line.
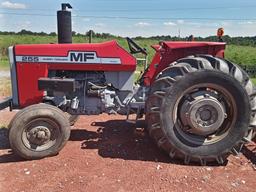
254	81
5	87
4	64
3	126
244	55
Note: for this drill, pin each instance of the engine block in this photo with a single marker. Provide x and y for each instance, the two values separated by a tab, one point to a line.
94	92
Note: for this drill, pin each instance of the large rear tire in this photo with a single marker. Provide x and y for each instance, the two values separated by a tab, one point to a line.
39	131
199	109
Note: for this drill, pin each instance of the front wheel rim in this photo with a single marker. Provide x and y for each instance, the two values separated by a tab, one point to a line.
40	134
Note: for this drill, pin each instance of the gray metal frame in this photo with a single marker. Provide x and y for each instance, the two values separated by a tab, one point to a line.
5	103
15	98
122	80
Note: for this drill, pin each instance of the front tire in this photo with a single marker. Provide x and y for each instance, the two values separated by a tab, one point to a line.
199	109
39	131
73	119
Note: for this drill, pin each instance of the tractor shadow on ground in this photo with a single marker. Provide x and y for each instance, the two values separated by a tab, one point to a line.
123	140
249	151
4	144
115	139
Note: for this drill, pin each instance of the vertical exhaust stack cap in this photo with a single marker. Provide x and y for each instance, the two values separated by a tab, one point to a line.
64	24
64	6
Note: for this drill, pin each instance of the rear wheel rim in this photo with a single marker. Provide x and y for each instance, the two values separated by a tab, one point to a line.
221	104
40	134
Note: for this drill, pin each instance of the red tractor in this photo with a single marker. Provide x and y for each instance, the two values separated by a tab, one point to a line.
198	106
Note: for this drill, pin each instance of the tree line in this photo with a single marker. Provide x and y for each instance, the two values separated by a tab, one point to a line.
245	41
27	32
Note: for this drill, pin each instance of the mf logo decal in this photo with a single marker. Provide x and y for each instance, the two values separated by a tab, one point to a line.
80	57
73	57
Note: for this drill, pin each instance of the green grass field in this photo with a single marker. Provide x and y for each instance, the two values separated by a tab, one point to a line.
253	80
241	54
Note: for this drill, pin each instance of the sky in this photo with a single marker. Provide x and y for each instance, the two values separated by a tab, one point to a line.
135	17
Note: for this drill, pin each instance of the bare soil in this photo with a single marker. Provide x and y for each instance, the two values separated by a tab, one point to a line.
105	153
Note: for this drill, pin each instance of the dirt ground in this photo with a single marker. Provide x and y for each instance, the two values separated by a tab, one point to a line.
105	153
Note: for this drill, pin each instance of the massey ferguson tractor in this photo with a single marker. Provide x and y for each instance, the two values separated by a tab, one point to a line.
198	106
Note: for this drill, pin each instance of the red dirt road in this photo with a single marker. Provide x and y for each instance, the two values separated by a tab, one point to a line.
105	153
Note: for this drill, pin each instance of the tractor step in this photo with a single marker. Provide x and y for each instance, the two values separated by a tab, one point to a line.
138	106
7	102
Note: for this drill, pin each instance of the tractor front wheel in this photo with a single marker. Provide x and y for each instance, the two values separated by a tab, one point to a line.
73	119
38	131
199	109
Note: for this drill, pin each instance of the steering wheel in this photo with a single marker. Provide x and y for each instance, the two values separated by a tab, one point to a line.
135	48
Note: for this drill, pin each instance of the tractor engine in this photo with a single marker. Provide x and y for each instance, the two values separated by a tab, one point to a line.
94	92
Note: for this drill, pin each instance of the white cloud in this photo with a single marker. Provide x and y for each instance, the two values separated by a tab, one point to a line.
1	15
10	5
250	22
247	23
180	21
205	24
25	25
170	23
99	24
142	24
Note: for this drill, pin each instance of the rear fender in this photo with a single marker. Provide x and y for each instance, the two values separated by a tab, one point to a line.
152	67
172	51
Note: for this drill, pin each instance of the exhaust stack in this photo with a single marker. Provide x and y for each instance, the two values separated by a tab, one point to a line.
64	24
